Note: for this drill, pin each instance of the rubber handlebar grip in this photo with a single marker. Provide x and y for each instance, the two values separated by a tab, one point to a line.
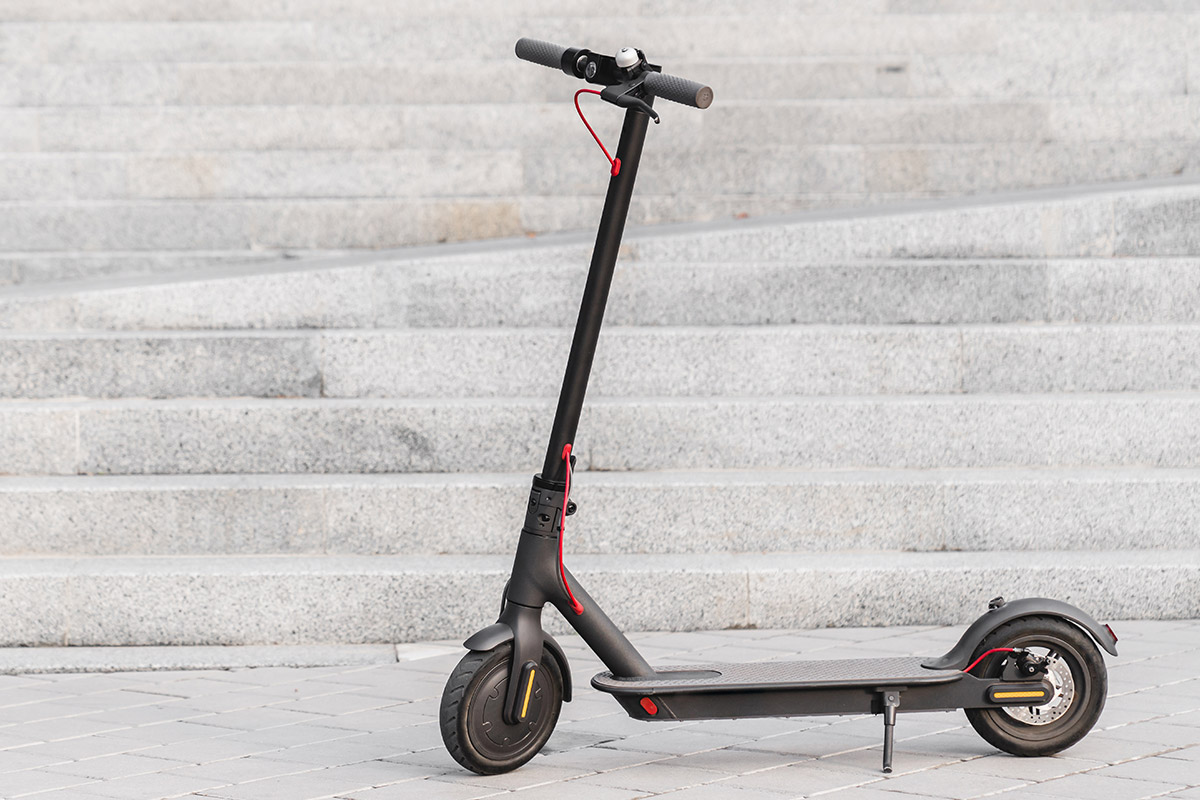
539	52
679	90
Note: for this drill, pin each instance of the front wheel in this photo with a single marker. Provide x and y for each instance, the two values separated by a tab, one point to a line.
1076	671
473	726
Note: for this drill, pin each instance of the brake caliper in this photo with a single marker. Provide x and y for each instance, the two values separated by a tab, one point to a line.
1024	665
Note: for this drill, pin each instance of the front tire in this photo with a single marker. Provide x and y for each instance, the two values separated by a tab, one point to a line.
1076	671
473	728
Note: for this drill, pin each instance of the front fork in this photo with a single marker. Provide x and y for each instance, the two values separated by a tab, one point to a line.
537	577
535	581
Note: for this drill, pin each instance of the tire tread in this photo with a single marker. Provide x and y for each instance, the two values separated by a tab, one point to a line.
982	719
453	728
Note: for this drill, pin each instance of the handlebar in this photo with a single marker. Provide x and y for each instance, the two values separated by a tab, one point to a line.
539	52
606	70
679	90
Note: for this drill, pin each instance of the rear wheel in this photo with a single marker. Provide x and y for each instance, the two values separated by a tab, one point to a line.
473	726
1076	671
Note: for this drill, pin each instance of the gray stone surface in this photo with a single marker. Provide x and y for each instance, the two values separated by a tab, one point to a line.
303	599
46	267
52	178
677	512
252	435
42	440
374	173
820	105
1162	227
940	169
902	432
262	299
1060	227
774	360
232	224
29	618
974	98
178	365
1079	358
1122	290
213	436
401	288
834	291
365	39
20	129
643	362
162	515
1072	224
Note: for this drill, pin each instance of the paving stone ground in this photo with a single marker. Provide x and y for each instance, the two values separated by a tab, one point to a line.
369	732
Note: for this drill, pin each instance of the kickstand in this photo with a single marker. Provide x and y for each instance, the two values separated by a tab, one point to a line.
891	701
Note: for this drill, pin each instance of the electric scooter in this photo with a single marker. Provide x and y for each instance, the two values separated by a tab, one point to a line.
1028	673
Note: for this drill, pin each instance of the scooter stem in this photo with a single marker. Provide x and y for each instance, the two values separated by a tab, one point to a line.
595	294
535	575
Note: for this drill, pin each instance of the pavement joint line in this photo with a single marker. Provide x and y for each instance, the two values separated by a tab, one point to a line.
1004	791
1156	718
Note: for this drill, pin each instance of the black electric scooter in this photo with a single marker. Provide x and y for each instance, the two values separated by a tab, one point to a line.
1028	673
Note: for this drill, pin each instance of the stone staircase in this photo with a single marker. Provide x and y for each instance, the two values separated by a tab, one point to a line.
830	418
162	135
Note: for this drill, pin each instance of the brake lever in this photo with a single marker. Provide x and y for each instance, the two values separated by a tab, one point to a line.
622	95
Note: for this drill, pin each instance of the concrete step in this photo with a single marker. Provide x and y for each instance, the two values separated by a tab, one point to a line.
300	599
250	10
728	30
469	435
730	361
384	180
839	171
345	292
51	177
274	224
1029	256
177	364
639	512
550	132
1153	218
193	116
550	127
56	266
779	76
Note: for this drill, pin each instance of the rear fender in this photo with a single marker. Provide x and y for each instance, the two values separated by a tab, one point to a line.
959	656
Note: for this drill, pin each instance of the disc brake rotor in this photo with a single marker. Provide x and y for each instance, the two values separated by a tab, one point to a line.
1058	674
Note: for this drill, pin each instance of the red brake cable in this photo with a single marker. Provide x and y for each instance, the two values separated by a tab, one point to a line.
988	653
576	606
614	162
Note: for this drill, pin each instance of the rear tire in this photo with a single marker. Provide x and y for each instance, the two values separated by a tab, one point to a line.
472	724
1077	672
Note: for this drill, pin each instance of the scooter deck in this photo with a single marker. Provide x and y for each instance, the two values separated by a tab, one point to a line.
870	673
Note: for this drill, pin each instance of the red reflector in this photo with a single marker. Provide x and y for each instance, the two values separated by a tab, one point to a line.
648	704
1110	632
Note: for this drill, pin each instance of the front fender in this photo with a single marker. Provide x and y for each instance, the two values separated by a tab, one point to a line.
960	655
498	633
